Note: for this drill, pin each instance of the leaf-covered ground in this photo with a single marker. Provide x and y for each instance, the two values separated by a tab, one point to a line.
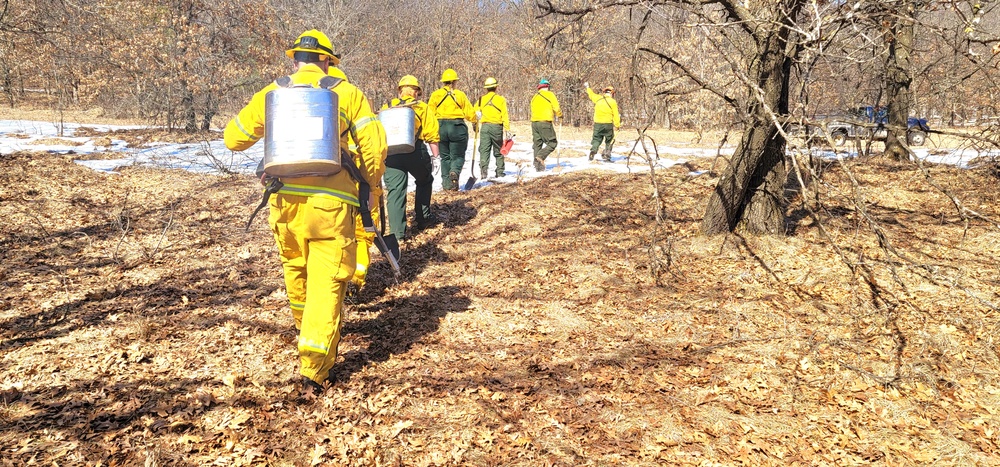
554	322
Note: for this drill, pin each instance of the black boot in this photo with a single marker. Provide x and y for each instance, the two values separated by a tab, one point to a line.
591	157
309	389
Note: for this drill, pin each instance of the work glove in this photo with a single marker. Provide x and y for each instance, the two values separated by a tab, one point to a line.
479	115
507	135
586	85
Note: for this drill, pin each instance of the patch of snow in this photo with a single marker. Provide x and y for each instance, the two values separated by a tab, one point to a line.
214	157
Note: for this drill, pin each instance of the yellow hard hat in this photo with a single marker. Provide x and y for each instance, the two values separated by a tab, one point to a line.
490	83
315	42
409	80
336	73
449	75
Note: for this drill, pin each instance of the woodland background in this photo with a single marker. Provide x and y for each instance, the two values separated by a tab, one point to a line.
191	64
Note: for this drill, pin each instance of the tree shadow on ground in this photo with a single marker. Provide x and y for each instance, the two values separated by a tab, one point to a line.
171	295
398	323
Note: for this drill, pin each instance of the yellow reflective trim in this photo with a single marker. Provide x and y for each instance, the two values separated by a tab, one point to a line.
245	132
364	121
296	305
309	344
305	190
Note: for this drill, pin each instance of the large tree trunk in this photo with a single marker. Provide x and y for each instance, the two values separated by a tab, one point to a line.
750	194
898	77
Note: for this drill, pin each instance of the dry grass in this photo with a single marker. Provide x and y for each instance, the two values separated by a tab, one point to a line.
138	323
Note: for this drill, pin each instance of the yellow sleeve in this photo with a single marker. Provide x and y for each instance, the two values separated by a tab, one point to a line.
470	112
248	126
594	97
555	106
429	128
616	116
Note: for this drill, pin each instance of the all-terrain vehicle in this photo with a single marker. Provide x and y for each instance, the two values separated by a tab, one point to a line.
862	123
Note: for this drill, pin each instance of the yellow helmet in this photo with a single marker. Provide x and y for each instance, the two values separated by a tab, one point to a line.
337	73
315	42
490	83
449	75
409	80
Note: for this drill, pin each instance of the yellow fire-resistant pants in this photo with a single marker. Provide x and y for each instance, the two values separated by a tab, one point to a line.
315	236
366	239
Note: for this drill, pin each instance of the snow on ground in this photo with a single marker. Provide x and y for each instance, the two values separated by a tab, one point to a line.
213	157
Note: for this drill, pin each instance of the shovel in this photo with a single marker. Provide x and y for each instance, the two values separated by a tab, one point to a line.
472	170
558	168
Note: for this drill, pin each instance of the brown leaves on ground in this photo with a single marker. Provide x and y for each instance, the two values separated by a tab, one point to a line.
136	137
139	324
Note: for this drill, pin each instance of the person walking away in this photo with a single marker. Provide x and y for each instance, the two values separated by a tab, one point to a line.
452	109
416	163
606	120
544	110
363	238
312	217
494	129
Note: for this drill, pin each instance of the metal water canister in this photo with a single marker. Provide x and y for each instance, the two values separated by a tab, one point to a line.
301	132
400	133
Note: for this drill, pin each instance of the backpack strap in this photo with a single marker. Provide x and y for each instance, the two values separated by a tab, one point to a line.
452	96
329	82
539	94
489	102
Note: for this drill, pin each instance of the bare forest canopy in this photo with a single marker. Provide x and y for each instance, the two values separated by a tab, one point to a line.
192	63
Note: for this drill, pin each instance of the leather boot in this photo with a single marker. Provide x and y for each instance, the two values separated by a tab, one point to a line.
539	165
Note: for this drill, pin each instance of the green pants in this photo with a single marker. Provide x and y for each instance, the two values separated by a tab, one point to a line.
490	138
603	132
398	167
454	141
543	136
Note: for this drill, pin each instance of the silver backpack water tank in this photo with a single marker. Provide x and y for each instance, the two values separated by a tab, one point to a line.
301	132
400	131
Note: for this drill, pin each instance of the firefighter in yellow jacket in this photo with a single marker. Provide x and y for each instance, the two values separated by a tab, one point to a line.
491	111
452	109
606	120
312	217
544	110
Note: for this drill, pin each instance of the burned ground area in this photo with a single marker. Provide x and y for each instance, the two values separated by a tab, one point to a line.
553	322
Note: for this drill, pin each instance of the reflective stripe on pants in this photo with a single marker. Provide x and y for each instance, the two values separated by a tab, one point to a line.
315	237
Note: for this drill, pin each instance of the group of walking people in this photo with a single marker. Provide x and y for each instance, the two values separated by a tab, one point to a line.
320	218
